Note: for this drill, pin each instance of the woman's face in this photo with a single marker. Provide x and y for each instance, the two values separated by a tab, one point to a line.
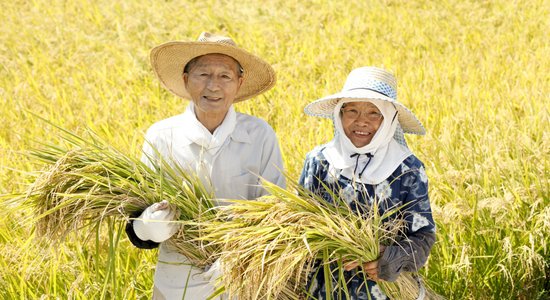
360	121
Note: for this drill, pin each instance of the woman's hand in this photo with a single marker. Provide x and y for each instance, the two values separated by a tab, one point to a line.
370	268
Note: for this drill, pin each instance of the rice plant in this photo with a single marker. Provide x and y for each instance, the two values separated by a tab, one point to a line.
89	182
267	246
475	72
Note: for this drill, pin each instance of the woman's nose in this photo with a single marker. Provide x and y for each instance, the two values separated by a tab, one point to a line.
362	119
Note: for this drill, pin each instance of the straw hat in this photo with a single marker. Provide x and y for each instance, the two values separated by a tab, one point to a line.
169	59
368	83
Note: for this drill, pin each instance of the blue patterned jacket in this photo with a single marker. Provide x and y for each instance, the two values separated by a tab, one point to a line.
407	187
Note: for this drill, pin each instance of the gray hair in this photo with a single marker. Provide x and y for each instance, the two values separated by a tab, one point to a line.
193	61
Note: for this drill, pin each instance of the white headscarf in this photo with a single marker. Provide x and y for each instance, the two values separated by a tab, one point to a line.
375	161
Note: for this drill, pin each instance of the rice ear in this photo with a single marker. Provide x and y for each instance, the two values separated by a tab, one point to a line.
88	181
267	246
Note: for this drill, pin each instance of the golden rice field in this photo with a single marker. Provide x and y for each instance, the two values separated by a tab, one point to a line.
477	73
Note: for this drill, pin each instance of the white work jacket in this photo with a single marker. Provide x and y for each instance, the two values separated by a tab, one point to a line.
232	170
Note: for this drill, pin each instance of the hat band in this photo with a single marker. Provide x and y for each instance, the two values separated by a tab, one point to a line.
379	87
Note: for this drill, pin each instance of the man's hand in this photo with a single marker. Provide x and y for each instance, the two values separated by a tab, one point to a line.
156	223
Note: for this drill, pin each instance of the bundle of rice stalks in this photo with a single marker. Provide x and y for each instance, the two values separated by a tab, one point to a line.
270	245
88	181
267	246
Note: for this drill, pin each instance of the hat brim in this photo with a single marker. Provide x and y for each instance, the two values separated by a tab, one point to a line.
324	107
169	59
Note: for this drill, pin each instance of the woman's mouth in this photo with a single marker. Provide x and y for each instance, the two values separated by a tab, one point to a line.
361	133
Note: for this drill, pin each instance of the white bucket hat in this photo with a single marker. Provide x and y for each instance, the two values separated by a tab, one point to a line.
169	59
368	83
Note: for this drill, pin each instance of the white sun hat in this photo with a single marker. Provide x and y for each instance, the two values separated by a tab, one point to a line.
368	83
169	59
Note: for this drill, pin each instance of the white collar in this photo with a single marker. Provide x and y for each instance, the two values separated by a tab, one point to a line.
196	132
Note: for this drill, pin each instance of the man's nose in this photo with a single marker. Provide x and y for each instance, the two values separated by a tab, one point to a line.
213	84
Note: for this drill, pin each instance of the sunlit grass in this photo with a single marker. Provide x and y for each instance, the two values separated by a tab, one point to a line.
475	72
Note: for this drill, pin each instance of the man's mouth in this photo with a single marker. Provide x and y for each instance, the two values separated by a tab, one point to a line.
210	98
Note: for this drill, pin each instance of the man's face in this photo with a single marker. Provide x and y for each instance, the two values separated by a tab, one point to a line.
213	82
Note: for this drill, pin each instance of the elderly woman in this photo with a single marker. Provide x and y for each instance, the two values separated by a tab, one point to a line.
367	161
228	151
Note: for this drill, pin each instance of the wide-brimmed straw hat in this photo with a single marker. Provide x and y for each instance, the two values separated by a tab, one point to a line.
368	83
169	59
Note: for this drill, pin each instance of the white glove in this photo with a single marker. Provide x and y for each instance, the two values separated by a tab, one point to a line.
156	223
214	274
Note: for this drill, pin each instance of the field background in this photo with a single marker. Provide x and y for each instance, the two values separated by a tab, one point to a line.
476	73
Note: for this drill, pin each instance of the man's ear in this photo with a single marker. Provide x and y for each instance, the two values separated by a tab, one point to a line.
185	77
240	81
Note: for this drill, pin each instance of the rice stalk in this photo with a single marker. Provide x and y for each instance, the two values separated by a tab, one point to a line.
88	182
269	245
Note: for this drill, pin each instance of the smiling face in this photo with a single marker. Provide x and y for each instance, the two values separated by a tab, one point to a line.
360	121
213	81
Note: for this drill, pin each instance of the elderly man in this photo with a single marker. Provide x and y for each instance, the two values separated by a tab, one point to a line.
229	151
